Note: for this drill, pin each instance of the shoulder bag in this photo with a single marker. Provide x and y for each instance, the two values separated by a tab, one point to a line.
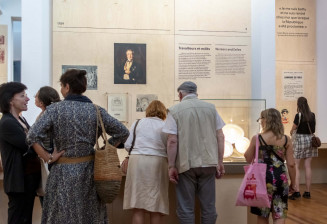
107	174
45	168
253	190
124	165
44	177
315	140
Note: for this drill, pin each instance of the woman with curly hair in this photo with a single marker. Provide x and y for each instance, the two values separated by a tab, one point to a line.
274	148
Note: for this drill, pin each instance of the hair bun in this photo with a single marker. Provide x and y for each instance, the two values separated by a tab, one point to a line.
82	72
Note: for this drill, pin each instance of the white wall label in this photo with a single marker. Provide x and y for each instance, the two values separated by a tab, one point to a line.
293	85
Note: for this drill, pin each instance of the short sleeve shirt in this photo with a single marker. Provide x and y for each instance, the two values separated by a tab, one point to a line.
171	126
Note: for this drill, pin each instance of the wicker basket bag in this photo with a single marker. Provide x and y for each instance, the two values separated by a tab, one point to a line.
107	172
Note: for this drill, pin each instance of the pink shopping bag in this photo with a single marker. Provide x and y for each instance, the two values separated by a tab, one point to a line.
253	190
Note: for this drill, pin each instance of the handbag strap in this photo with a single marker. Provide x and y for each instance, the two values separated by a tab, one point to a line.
103	134
256	149
272	151
134	137
298	124
309	128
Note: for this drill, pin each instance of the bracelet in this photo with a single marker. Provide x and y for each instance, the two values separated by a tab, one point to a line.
171	166
50	159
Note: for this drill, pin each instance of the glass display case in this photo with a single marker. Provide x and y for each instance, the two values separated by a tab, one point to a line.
240	116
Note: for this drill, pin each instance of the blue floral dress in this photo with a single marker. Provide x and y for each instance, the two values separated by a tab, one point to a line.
276	180
70	191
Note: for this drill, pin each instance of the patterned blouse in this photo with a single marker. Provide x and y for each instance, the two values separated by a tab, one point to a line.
70	194
73	125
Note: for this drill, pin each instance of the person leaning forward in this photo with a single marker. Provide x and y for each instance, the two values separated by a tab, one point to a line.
195	148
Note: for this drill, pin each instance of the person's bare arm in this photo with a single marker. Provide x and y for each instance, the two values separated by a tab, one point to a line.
172	154
250	152
220	170
294	127
45	155
290	163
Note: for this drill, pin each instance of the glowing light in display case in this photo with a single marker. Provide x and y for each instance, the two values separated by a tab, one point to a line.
242	144
232	132
228	149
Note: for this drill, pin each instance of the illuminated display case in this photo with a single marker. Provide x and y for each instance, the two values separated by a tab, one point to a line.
240	116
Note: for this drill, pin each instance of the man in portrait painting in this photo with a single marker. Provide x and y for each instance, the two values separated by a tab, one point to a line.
130	72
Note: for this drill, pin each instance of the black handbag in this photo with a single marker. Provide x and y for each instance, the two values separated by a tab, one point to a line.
315	140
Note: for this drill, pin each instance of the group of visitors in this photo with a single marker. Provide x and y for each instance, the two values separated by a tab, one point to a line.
70	195
193	141
183	144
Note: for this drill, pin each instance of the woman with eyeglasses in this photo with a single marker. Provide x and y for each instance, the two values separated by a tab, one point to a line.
274	149
21	166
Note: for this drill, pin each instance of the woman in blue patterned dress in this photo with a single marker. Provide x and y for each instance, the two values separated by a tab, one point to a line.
274	148
70	191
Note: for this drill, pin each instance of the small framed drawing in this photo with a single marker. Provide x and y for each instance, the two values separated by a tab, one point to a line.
117	106
91	74
2	39
2	56
143	101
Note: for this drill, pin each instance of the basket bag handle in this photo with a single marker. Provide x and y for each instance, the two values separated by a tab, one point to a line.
103	134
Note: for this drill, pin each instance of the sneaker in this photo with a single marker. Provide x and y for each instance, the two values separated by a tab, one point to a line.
295	195
306	194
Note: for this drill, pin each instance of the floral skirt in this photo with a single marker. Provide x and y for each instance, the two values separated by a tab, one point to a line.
277	189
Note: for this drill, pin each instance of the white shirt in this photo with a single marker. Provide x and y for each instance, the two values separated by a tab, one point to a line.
171	126
150	140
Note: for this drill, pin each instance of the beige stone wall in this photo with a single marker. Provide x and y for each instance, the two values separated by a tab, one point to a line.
85	34
295	52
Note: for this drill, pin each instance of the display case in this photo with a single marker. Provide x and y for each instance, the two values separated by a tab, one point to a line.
240	116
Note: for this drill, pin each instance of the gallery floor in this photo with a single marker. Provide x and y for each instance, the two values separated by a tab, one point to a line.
314	210
301	211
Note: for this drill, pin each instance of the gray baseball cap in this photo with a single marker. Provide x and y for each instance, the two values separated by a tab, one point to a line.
188	86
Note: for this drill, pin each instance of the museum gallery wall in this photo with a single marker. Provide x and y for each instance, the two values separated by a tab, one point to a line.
208	42
295	56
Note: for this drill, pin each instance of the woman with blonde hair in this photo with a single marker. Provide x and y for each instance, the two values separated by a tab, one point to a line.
304	124
274	148
146	188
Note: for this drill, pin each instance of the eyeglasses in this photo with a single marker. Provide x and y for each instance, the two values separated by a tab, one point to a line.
260	118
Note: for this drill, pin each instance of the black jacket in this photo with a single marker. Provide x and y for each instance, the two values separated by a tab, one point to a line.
136	76
13	147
